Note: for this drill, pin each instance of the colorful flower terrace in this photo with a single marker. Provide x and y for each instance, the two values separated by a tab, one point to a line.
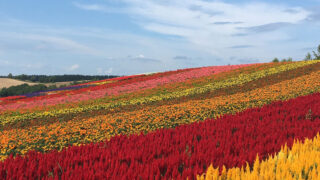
250	121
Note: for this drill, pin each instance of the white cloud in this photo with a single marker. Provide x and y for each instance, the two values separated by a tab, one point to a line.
45	41
57	48
99	7
74	67
102	42
31	66
99	70
4	62
91	7
183	13
60	43
140	56
212	30
214	26
109	71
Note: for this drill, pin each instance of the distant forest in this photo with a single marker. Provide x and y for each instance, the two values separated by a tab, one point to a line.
58	78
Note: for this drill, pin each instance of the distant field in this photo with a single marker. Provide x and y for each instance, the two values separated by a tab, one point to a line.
7	82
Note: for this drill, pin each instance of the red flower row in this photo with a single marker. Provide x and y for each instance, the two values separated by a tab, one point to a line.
11	98
119	81
182	152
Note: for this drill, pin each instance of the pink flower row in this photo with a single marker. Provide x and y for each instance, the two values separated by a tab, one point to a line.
126	88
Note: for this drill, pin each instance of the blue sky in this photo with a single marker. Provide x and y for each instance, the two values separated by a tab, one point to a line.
137	36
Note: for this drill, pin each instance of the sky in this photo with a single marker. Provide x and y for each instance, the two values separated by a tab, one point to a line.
124	37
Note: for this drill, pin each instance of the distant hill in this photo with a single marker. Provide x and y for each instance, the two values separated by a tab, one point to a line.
7	82
13	87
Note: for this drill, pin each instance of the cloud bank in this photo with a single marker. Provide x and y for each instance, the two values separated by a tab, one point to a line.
215	26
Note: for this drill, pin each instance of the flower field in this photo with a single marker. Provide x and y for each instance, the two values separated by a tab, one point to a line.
251	121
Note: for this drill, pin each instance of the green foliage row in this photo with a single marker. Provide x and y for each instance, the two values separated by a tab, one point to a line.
24	89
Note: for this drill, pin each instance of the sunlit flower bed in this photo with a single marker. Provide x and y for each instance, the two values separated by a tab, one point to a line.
207	123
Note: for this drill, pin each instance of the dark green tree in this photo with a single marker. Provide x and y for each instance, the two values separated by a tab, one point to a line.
317	54
275	60
308	57
10	75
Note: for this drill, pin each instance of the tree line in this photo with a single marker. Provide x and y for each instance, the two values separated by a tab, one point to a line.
316	56
24	89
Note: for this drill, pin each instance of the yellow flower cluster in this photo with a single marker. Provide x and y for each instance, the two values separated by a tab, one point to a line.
241	79
301	162
103	82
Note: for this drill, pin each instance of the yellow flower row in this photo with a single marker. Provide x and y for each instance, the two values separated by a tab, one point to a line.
77	131
103	82
301	162
241	79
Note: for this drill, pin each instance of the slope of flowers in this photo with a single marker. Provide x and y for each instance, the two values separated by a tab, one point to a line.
96	128
171	87
178	153
171	125
301	162
118	88
241	79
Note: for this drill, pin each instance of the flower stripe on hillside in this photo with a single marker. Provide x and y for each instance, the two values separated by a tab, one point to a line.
241	79
96	92
301	162
171	87
179	153
260	83
93	129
